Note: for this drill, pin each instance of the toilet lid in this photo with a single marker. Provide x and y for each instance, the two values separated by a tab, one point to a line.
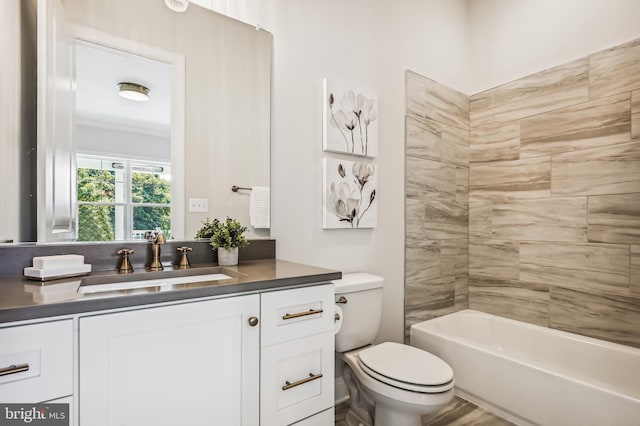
406	367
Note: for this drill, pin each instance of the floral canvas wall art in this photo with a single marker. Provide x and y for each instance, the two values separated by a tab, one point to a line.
350	119
349	195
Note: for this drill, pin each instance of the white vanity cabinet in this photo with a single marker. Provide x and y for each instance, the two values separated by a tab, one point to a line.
247	360
191	364
297	356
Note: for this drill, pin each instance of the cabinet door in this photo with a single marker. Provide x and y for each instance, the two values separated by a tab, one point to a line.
191	364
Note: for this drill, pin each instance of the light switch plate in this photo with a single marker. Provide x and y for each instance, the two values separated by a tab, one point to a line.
198	205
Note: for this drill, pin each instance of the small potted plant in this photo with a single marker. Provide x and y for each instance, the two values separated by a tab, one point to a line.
226	237
207	229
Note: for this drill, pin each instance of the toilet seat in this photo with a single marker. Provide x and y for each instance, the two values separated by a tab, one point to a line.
406	367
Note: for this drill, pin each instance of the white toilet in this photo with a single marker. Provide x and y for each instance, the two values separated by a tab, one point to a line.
389	384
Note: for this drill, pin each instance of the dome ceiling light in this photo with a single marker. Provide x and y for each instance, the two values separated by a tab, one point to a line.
133	91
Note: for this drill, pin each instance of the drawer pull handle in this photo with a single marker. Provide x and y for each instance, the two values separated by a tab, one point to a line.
13	369
302	314
312	377
342	300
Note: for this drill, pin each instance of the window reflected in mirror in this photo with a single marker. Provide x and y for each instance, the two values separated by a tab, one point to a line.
122	199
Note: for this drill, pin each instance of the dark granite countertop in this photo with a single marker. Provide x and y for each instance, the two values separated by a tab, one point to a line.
22	299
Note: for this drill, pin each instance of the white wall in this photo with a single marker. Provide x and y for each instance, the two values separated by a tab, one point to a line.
360	41
510	39
121	143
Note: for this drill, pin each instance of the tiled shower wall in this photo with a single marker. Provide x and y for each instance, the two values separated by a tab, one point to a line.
554	197
553	200
436	206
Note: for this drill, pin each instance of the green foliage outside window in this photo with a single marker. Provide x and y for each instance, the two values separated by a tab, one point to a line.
96	223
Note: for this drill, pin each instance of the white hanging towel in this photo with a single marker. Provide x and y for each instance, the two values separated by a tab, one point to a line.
260	207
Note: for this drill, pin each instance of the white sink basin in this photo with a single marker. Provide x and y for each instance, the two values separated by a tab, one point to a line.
159	282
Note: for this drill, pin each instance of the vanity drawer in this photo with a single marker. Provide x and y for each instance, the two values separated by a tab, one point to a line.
296	379
292	314
37	362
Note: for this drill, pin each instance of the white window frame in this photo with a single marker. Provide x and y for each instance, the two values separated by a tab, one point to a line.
127	203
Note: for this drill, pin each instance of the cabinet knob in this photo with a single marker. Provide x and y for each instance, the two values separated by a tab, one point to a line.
253	321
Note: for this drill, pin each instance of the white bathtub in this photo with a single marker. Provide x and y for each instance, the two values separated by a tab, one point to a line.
535	375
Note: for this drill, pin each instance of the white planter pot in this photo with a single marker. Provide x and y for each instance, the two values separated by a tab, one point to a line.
227	257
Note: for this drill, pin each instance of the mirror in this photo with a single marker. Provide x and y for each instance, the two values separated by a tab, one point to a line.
225	117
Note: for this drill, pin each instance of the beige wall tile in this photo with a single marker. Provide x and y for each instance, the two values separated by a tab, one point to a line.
462	184
492	259
454	247
445	220
613	318
481	109
414	221
615	70
608	170
422	262
439	142
454	258
503	180
601	122
455	146
556	219
544	91
635	270
434	294
523	302
480	220
614	218
635	114
462	292
495	143
430	99
584	267
431	180
423	138
416	87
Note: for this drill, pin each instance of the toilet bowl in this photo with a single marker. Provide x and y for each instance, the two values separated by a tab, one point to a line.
390	384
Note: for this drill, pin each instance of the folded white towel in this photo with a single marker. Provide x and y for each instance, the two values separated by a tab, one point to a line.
260	207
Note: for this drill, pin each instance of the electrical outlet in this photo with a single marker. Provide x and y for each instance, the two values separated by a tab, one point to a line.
200	205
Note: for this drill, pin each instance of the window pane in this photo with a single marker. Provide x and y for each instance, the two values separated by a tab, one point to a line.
96	223
152	186
150	218
96	180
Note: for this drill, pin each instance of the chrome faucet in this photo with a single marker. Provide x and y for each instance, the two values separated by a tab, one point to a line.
156	239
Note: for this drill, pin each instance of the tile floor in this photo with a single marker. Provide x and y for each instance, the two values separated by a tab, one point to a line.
458	413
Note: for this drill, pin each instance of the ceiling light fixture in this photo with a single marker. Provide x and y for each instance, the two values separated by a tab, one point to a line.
177	5
133	91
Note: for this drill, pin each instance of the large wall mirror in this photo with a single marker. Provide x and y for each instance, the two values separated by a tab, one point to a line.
111	168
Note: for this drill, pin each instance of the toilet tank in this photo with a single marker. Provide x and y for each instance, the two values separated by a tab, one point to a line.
361	309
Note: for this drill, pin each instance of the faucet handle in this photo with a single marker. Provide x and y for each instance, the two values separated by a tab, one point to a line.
125	265
184	260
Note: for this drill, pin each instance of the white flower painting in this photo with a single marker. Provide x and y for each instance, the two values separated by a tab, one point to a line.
349	195
350	118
